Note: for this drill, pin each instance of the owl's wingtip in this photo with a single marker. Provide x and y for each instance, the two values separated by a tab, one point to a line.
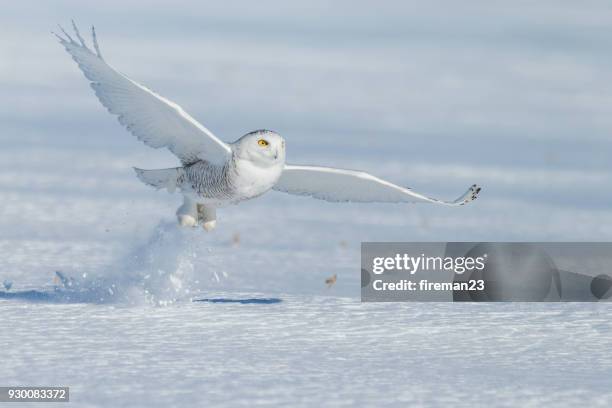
470	195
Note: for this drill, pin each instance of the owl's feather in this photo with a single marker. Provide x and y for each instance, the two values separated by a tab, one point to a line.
155	120
339	185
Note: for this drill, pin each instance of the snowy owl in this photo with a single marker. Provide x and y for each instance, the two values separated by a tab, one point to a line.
214	173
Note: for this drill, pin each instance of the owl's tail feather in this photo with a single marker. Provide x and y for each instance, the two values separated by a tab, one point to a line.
161	178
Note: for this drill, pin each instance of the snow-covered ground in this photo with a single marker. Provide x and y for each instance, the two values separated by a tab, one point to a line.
313	351
513	96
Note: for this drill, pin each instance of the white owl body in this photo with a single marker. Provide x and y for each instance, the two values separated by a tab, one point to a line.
252	180
219	186
254	167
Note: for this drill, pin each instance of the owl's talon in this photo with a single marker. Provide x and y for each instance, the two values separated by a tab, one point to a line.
207	216
209	225
186	220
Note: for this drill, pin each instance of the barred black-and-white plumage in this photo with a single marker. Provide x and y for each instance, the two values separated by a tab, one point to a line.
215	173
208	180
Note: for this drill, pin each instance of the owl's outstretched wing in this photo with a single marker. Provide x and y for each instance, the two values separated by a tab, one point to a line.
155	120
340	185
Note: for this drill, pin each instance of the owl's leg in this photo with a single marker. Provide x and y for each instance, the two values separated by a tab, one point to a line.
187	213
207	215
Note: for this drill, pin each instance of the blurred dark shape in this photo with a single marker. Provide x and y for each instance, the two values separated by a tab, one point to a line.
7	284
331	280
512	272
29	295
600	286
256	301
365	278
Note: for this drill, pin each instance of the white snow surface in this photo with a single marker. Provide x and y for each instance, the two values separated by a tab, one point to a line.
513	96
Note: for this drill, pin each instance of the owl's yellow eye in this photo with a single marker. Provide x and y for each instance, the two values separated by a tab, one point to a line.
262	142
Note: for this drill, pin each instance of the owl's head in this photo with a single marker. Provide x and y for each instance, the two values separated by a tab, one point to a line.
262	147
